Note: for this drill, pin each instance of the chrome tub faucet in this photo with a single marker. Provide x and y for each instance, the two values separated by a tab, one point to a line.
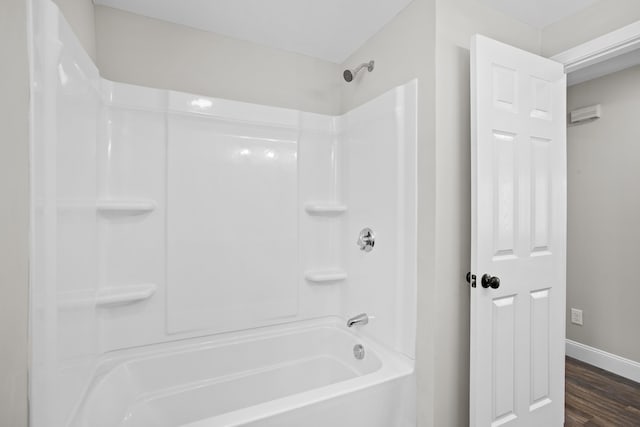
360	319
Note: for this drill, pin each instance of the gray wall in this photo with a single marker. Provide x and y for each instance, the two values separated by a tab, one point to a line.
457	21
14	213
80	14
604	215
148	52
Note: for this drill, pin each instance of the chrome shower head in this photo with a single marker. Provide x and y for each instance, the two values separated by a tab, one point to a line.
349	75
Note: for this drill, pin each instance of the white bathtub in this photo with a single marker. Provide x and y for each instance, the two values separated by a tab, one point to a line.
302	374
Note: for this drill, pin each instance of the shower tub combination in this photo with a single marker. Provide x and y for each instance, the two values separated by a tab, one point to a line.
290	375
195	259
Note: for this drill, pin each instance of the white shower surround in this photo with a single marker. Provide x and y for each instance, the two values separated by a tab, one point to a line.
122	238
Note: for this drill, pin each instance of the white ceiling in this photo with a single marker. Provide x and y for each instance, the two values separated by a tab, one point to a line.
539	13
325	29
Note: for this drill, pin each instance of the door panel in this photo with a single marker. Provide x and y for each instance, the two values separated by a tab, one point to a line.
504	362
540	327
505	180
518	234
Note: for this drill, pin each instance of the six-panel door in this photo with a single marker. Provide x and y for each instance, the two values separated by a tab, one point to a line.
518	235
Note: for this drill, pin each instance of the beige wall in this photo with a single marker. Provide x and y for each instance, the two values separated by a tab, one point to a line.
404	50
148	52
429	40
602	17
457	21
603	215
14	213
80	16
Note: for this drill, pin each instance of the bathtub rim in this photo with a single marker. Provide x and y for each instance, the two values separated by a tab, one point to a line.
393	365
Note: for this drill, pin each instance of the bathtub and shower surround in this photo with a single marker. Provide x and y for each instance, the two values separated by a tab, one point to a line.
212	245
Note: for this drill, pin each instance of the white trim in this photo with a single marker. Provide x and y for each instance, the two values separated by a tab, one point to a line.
601	359
615	43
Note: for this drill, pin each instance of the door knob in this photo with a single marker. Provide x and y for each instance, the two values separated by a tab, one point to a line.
489	281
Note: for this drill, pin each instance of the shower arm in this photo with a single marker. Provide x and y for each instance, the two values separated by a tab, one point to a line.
349	75
368	65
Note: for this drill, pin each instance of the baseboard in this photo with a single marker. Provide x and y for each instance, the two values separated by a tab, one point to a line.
601	359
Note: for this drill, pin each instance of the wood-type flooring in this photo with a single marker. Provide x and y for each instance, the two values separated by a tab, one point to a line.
595	397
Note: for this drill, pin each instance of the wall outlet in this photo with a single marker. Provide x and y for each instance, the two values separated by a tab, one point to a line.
576	316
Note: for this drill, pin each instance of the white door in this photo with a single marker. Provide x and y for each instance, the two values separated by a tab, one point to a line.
518	158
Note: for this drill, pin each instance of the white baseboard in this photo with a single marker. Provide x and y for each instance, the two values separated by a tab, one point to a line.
601	359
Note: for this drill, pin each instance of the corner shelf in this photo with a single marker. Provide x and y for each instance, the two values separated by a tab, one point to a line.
106	297
325	276
75	300
121	295
325	208
125	207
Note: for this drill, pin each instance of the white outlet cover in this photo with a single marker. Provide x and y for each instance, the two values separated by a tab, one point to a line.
576	316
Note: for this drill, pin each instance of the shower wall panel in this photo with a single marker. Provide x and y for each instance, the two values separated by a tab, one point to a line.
379	173
63	326
132	165
232	226
226	240
320	248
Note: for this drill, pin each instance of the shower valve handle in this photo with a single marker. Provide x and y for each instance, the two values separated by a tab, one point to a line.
366	240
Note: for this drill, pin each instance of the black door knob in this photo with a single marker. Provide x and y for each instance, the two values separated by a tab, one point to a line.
489	281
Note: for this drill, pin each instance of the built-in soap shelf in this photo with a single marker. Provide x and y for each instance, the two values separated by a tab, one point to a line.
106	297
125	206
328	208
74	300
120	295
325	276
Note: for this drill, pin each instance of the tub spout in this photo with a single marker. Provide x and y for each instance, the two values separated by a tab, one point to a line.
360	319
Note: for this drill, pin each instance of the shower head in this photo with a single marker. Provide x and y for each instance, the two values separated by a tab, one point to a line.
349	75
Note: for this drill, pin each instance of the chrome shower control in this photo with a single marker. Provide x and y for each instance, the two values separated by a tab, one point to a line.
366	240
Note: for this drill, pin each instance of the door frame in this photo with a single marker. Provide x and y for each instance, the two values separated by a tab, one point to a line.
600	49
608	47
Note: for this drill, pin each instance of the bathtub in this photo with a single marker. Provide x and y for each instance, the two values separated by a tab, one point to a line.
302	374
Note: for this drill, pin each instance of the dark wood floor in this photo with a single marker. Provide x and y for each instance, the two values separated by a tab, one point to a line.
595	397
